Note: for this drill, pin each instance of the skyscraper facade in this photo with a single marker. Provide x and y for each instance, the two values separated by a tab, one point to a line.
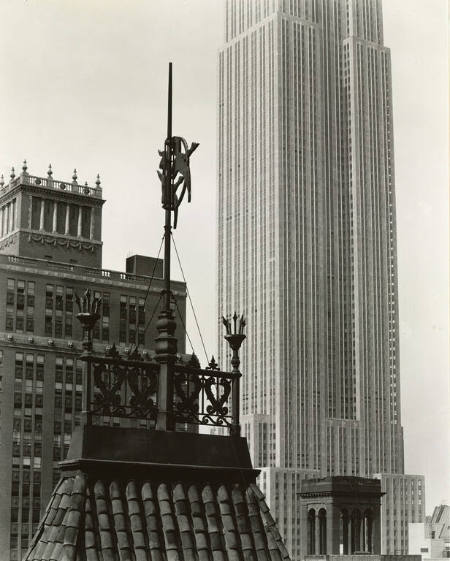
50	250
307	239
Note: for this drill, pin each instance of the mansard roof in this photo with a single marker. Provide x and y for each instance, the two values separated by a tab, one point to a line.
97	519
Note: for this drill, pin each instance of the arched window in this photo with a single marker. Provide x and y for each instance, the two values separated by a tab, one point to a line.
311	532
322	531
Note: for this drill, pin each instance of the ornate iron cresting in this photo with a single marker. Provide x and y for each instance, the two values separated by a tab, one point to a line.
114	386
203	396
124	387
127	387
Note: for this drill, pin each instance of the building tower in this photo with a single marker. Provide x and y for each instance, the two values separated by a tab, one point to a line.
50	250
307	244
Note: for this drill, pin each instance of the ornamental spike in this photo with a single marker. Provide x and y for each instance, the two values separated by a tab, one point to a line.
227	325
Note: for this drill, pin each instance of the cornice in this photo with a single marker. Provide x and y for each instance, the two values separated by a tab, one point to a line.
73	347
351	494
54	194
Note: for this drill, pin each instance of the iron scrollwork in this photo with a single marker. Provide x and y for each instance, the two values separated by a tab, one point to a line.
128	388
124	387
202	396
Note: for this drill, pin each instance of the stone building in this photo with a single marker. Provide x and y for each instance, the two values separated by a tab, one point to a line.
341	516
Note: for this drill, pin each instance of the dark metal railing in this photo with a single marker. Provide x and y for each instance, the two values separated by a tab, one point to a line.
204	397
129	387
122	387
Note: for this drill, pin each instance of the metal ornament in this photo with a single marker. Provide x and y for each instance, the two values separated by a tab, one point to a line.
174	165
175	173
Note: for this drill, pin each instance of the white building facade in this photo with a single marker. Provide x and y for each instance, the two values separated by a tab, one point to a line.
307	239
431	539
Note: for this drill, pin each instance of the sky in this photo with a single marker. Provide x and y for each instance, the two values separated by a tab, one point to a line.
83	85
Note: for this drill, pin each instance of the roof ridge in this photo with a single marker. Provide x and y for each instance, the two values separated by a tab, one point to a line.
270	523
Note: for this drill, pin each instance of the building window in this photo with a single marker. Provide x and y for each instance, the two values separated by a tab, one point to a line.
19	366
40	367
61	218
20	302
36	213
86	221
141	311
59	303
73	220
48	215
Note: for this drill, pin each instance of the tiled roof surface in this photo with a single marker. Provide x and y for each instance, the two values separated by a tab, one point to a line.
96	520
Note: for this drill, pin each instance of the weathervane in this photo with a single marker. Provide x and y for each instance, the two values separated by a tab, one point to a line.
174	165
174	174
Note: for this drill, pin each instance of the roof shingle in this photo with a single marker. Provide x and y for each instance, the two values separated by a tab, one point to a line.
90	519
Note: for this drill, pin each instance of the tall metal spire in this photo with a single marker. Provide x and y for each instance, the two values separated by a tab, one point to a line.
174	174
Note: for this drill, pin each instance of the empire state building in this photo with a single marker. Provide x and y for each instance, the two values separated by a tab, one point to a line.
307	249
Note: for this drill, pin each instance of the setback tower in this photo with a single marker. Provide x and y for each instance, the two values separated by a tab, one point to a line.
307	248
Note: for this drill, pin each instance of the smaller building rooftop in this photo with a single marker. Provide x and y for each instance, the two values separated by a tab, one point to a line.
48	266
24	178
341	484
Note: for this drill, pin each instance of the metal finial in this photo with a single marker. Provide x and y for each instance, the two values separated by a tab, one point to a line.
2	181
97	181
50	171
24	167
87	303
212	365
236	337
227	325
13	173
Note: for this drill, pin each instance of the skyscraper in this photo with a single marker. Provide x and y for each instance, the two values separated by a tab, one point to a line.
307	240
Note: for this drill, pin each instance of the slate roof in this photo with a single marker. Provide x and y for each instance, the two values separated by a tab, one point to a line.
92	519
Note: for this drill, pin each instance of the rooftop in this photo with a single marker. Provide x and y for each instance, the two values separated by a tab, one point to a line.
49	183
341	485
72	270
142	520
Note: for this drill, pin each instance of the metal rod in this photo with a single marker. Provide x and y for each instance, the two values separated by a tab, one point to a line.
168	225
167	231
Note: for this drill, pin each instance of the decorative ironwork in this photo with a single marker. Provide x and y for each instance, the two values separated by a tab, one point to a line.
235	339
123	387
202	396
127	387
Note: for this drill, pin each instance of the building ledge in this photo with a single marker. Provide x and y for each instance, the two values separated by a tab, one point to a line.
204	456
